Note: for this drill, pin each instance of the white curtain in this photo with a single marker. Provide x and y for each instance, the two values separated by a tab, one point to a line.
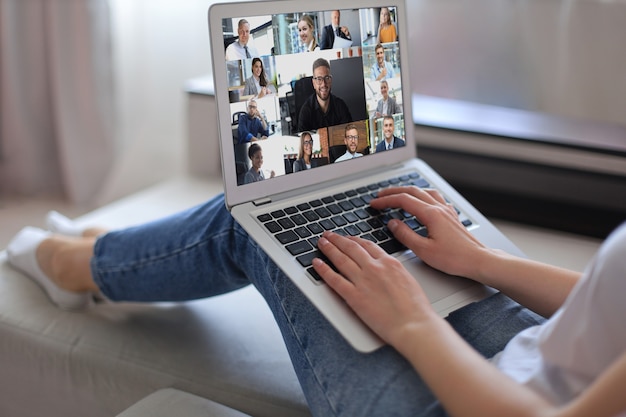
56	98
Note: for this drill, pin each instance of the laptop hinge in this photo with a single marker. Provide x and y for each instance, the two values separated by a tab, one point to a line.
262	201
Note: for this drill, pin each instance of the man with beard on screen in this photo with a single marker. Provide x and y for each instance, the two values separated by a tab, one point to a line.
322	109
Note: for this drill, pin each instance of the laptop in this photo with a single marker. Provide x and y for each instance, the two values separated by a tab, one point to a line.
291	173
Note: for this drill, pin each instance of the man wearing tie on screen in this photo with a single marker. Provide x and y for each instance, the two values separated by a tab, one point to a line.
335	29
391	141
241	48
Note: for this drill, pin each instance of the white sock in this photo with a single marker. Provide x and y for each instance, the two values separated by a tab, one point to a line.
21	254
62	225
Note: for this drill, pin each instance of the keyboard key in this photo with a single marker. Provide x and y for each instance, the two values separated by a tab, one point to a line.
286	223
413	224
334	208
264	217
313	241
340	196
339	221
278	214
357	202
380	235
421	182
315	203
367	198
306	260
363	227
273	227
375	223
350	217
291	210
322	212
302	232
311	216
327	224
352	230
346	205
314	274
287	237
328	200
298	219
392	246
372	211
299	247
303	206
315	228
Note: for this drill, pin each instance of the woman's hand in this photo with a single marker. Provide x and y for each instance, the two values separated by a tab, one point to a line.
379	289
449	247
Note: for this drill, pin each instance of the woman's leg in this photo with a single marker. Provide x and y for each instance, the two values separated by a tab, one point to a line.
203	252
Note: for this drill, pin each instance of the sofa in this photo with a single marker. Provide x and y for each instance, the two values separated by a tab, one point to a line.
222	356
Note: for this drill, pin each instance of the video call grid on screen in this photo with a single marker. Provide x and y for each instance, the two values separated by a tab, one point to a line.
275	44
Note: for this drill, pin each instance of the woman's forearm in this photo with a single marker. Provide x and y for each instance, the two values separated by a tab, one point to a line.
464	382
467	385
540	287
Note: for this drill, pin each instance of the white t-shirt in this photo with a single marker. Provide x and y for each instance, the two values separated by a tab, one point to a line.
562	357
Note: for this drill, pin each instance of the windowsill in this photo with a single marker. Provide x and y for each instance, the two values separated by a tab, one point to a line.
519	124
520	135
201	85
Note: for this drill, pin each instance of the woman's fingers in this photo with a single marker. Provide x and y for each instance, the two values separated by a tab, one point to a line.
349	255
449	246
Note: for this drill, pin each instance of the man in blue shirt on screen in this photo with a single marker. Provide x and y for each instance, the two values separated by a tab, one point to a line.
252	125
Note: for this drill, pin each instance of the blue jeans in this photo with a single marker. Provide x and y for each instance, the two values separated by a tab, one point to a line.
203	252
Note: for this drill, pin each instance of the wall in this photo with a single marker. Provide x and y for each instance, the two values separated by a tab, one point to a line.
158	45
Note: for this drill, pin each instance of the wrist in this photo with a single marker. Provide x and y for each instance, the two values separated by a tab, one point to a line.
408	336
486	263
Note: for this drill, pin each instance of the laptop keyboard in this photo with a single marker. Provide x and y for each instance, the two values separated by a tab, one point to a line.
348	213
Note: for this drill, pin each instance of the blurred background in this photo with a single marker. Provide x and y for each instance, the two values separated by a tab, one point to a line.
93	104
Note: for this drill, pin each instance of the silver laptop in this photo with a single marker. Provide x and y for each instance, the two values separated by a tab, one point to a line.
303	150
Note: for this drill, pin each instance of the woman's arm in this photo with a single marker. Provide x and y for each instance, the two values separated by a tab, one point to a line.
393	305
249	88
449	247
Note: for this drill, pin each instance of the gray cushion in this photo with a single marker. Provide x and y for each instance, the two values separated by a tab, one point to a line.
170	402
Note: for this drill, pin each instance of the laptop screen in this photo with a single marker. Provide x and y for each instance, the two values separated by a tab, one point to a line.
313	88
